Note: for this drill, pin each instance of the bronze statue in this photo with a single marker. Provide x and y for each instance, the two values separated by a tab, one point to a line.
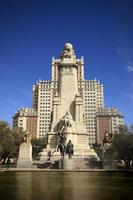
107	137
65	122
70	149
62	144
62	148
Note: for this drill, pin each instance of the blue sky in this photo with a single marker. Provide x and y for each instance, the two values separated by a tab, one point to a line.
31	32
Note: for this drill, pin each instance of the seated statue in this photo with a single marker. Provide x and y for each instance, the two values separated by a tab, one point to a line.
67	120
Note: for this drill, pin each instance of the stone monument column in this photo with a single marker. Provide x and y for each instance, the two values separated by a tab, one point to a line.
79	114
25	154
68	88
56	111
68	111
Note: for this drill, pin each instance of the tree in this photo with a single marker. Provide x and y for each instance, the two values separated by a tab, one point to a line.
38	144
18	135
131	129
9	141
6	140
122	145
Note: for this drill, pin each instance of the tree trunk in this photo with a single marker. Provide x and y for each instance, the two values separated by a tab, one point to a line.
4	159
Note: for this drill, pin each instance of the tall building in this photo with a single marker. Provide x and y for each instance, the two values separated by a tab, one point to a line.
109	120
26	118
93	99
48	95
42	103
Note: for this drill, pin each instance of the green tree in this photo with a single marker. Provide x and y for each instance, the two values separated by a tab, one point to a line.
6	140
18	135
122	145
38	144
131	129
9	141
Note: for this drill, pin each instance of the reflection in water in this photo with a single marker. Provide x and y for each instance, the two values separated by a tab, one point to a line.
24	183
8	186
66	186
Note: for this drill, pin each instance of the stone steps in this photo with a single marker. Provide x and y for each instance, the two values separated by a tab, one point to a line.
73	164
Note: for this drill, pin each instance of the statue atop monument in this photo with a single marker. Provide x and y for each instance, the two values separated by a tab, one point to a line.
27	138
68	51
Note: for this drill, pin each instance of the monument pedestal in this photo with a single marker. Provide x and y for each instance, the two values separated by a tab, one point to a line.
74	164
25	156
49	153
66	164
79	160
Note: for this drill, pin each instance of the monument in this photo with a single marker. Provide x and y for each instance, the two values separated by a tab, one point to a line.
68	113
25	153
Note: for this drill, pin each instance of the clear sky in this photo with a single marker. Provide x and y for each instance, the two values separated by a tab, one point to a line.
32	31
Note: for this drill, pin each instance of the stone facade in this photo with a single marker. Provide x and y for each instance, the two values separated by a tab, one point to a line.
42	102
26	118
108	120
93	100
25	155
